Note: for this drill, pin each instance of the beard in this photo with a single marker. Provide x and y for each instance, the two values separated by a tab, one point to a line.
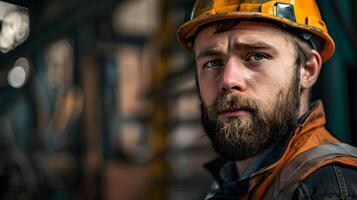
239	138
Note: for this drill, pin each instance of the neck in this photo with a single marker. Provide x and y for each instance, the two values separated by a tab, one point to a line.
243	165
304	103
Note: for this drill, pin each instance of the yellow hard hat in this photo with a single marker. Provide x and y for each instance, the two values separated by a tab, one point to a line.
303	15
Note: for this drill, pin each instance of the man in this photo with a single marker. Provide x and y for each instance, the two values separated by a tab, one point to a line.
256	62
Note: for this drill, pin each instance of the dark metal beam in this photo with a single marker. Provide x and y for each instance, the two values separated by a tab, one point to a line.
346	25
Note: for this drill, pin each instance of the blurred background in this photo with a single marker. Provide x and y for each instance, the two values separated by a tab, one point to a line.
99	102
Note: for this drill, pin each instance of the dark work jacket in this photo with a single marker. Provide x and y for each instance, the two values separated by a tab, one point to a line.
310	164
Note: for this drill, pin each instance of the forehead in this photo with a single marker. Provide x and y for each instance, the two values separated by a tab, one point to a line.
244	31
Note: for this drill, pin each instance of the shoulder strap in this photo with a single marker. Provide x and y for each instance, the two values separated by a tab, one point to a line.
303	165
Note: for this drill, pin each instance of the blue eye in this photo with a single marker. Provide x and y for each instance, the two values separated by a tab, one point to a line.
256	57
213	63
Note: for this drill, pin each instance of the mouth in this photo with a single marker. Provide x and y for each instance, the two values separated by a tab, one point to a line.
234	113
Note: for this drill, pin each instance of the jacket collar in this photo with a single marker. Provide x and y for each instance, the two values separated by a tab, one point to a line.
313	119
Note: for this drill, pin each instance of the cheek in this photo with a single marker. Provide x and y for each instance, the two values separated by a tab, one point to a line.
209	89
270	84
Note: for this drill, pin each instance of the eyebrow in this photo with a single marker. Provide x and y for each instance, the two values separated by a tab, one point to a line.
253	46
211	52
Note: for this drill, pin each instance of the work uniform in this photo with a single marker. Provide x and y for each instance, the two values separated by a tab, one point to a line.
309	164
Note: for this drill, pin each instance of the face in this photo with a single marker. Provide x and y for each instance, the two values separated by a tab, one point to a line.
249	87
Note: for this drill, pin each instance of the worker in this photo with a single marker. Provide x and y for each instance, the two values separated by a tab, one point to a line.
256	62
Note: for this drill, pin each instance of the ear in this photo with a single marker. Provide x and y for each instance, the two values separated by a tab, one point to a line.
310	70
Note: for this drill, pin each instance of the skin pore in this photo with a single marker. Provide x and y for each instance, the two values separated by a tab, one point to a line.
245	76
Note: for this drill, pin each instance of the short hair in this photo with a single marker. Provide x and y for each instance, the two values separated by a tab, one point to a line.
302	48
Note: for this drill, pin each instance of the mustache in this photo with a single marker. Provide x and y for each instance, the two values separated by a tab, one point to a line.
229	102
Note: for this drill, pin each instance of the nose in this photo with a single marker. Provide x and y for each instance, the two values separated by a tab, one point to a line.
233	77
